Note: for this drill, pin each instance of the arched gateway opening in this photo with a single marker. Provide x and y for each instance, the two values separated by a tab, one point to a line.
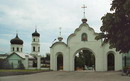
60	62
84	60
110	62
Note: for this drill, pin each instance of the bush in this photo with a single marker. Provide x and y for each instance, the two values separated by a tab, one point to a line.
20	66
1	63
126	69
6	65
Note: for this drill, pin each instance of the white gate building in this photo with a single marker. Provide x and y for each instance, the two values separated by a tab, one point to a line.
83	38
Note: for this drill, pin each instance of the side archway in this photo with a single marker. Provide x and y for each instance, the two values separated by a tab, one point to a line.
110	61
59	63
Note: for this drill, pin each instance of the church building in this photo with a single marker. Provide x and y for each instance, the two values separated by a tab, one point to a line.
17	55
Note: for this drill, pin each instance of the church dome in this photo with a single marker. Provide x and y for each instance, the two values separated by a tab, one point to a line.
36	33
16	40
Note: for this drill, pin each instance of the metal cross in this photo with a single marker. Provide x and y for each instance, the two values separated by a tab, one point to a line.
35	27
16	33
60	31
84	10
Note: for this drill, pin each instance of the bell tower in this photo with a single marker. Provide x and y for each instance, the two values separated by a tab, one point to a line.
35	46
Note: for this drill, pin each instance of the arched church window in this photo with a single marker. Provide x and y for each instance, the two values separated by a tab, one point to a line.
38	49
33	48
34	39
84	37
13	48
17	49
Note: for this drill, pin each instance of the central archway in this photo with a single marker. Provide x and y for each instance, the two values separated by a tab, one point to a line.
84	59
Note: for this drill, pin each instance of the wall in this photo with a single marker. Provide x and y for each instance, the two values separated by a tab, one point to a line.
15	46
60	47
14	59
74	44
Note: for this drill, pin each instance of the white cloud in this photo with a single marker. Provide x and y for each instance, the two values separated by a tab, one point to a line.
4	46
3	42
49	15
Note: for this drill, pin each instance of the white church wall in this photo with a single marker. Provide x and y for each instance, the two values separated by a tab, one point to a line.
76	36
13	60
59	48
93	45
35	44
74	44
15	46
35	39
117	55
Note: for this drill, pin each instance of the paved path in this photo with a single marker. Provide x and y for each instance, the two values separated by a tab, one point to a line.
69	76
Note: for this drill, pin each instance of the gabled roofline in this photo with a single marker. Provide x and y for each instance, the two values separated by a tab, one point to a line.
58	43
78	29
14	53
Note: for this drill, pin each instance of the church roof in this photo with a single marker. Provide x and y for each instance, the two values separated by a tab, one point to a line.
16	40
58	43
35	33
22	55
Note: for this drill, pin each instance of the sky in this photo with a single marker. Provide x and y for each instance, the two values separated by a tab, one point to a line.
48	15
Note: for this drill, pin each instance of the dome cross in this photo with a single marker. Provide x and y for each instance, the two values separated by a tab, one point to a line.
84	10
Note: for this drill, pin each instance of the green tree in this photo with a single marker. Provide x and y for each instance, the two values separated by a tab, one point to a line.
84	57
6	65
116	26
20	66
79	62
47	57
2	63
89	58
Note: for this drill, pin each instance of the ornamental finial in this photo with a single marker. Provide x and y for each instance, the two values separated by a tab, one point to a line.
84	10
84	20
60	38
60	32
35	28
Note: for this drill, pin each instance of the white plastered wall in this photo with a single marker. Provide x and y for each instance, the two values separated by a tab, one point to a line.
74	44
36	45
60	48
15	46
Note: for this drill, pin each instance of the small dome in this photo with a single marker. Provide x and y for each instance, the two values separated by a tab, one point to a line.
16	40
84	20
36	33
60	39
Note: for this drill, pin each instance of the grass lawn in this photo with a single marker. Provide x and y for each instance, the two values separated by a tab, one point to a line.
19	72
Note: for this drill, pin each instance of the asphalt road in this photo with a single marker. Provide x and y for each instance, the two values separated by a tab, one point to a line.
69	76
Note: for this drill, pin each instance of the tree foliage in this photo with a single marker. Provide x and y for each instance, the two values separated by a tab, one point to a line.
4	64
20	65
85	57
116	26
79	62
89	58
